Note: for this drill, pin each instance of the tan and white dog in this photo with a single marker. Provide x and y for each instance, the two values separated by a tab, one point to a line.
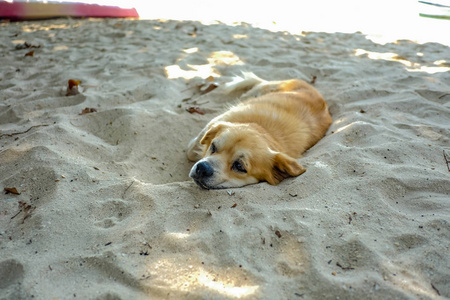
260	138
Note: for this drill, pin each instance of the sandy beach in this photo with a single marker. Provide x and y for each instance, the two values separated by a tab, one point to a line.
96	203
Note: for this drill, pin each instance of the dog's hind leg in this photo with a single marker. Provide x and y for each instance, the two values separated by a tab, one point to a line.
252	86
245	83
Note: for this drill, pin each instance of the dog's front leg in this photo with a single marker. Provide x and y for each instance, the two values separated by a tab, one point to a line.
195	149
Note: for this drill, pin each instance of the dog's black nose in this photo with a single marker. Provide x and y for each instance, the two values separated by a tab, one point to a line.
203	170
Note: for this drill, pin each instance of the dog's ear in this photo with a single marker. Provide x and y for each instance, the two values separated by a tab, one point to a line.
284	166
211	133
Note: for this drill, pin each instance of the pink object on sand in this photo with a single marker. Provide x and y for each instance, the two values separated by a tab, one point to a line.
36	10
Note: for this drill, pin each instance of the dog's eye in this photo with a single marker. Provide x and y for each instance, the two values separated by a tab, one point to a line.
213	148
239	167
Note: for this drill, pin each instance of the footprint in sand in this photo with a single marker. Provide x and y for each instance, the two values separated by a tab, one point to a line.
406	242
11	272
111	126
439	97
32	180
108	213
8	115
353	255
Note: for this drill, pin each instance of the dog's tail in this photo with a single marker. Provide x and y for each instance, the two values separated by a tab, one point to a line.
242	83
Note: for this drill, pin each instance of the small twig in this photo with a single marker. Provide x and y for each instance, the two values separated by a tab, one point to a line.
123	196
434	288
446	160
22	132
16	214
442	96
344	268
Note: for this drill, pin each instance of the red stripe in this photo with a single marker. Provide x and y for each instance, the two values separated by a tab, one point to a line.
23	10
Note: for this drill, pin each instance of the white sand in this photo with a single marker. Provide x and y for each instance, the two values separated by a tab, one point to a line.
107	210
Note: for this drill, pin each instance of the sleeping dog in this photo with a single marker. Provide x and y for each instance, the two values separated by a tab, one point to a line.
260	138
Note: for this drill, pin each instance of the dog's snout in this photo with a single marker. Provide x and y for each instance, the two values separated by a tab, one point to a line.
202	173
203	170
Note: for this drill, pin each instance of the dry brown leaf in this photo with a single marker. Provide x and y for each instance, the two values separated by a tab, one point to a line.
206	88
72	87
12	190
189	29
87	110
24	206
31	53
27	209
73	83
26	46
195	109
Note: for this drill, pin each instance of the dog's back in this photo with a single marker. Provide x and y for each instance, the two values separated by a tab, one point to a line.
292	111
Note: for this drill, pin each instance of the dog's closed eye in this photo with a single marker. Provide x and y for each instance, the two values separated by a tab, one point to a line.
213	148
239	167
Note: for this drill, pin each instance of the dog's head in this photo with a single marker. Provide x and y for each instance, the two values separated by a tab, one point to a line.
239	154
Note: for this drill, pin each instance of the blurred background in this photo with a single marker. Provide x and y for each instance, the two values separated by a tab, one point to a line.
382	20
